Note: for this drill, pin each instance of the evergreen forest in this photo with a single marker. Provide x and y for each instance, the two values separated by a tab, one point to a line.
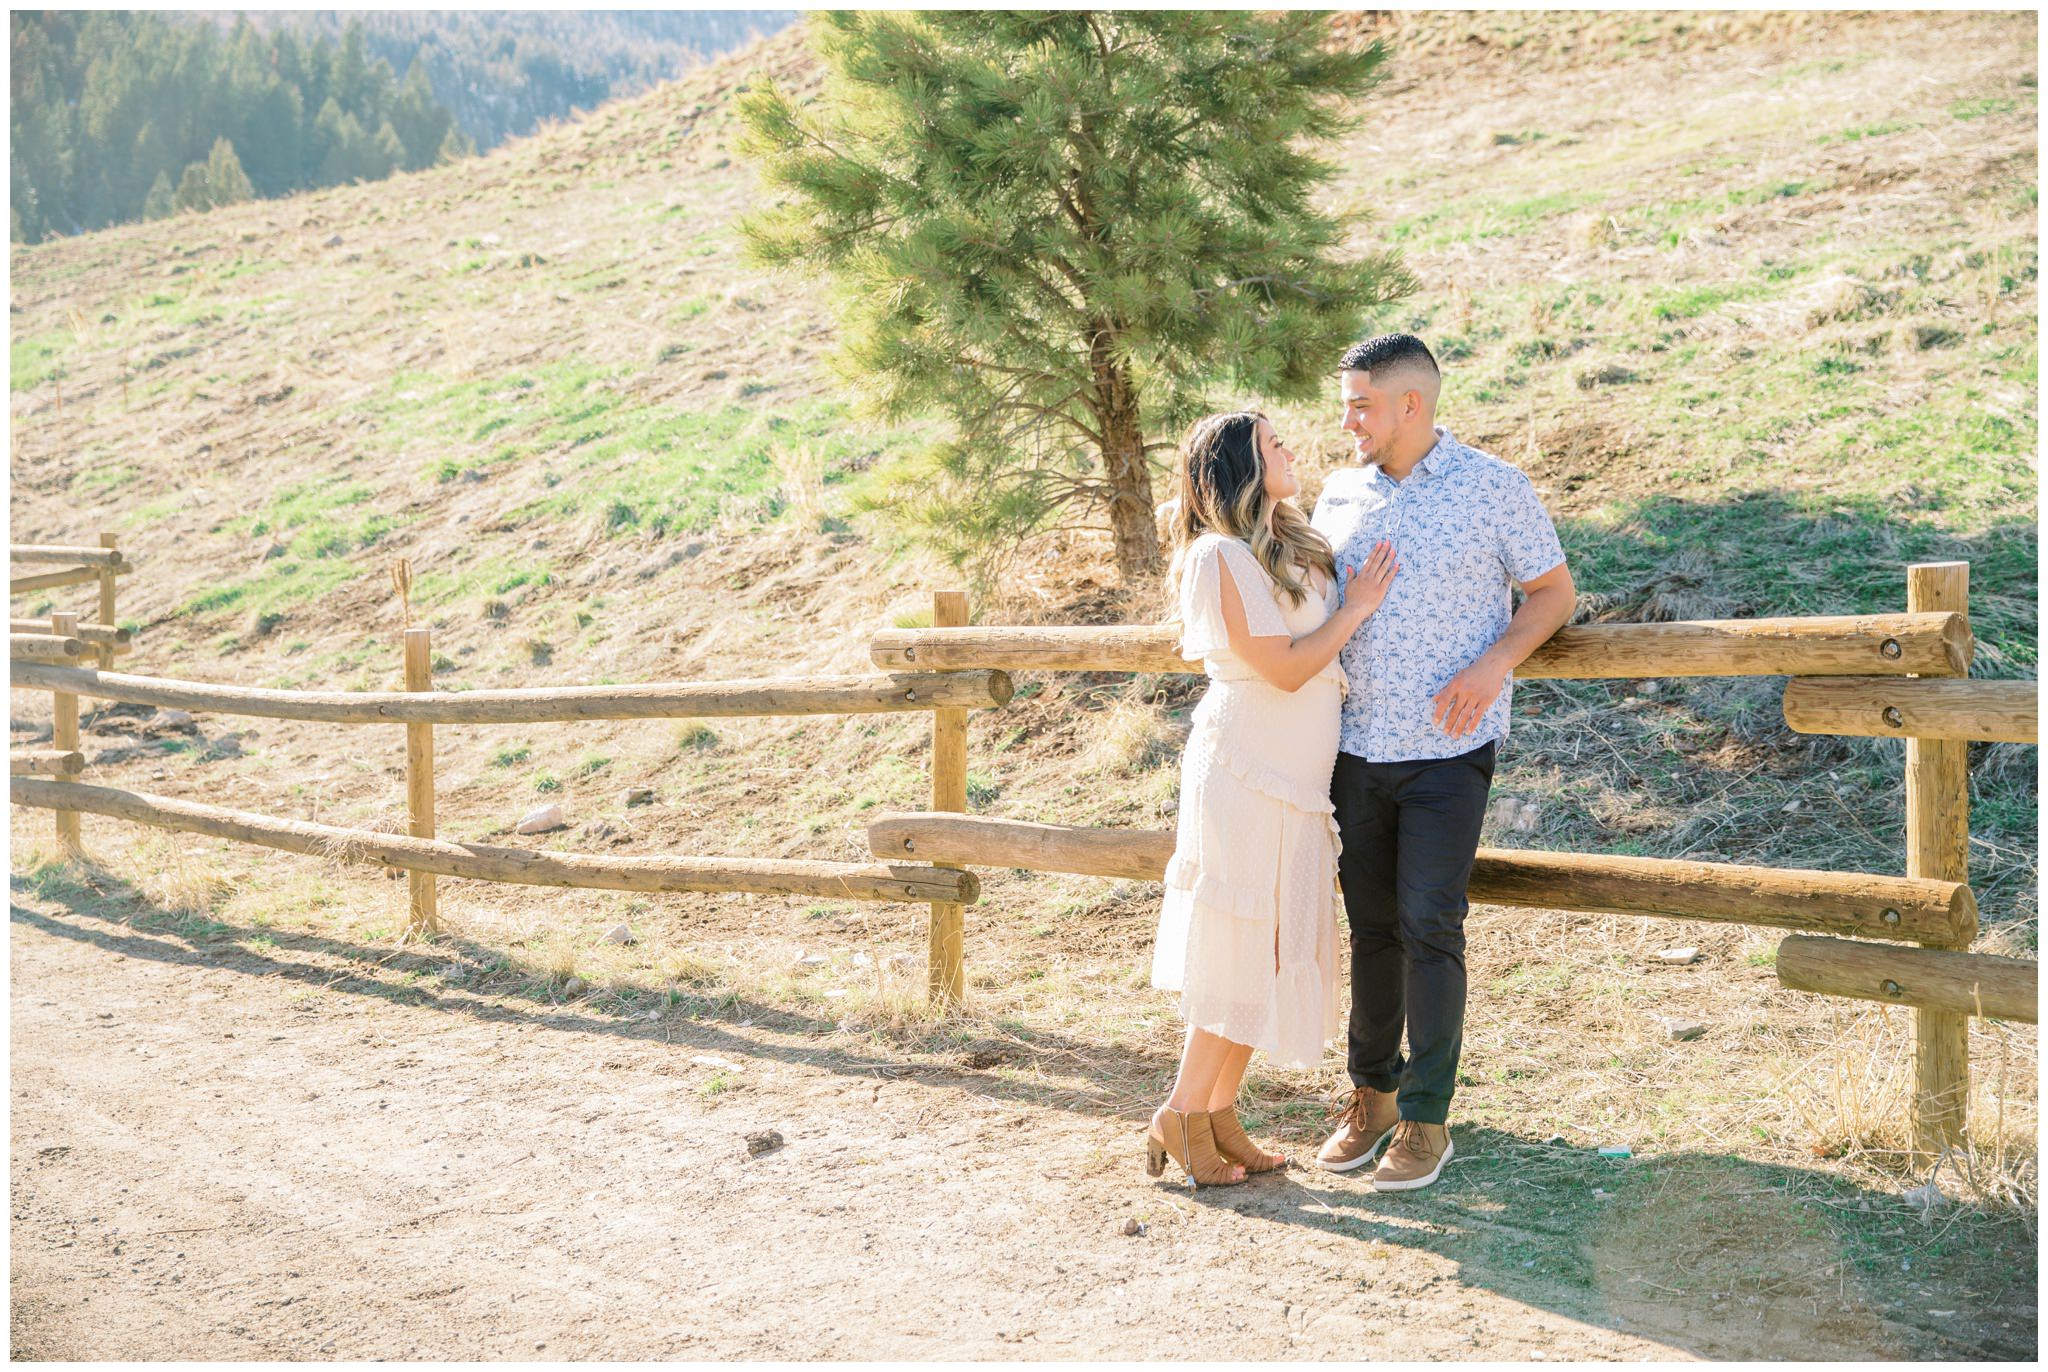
117	116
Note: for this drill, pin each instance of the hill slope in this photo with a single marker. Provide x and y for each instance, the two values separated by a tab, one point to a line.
1759	344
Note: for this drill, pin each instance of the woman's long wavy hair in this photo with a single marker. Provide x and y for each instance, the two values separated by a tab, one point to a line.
1220	487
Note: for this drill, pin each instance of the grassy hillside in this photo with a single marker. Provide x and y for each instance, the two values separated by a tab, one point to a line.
1751	298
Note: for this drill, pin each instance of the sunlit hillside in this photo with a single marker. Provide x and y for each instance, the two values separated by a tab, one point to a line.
1751	297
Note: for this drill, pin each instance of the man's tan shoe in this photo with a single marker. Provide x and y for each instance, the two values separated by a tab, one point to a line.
1368	1118
1415	1158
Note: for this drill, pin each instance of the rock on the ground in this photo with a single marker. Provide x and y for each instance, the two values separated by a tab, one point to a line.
1678	955
637	795
1518	815
1679	1030
622	934
1926	1198
1613	374
1132	1226
542	820
763	1141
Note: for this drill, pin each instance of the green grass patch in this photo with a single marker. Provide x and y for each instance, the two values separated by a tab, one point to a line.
487	576
1688	302
665	470
1857	133
104	480
32	361
322	526
1982	108
1484	216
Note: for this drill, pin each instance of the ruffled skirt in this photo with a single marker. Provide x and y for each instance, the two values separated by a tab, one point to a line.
1248	929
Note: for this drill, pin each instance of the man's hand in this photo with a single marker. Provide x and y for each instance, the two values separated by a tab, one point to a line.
1462	704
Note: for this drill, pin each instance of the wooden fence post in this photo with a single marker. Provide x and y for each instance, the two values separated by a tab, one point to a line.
64	738
1938	845
423	916
107	541
945	964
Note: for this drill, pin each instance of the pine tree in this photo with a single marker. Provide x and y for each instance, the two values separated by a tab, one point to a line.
225	181
421	122
160	204
192	192
456	146
390	152
1070	233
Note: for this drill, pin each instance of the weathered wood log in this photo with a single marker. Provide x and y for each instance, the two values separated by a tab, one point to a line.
1833	902
76	556
46	762
108	651
91	633
1938	846
60	649
946	943
1880	707
1061	648
485	862
50	581
984	841
1866	904
537	704
1925	978
63	731
1840	645
423	914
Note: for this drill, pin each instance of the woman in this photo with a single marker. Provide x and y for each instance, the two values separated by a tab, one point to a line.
1248	932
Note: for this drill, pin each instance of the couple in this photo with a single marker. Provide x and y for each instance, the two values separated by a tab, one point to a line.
1358	666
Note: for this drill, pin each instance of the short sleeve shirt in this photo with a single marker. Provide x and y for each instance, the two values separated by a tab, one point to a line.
1465	526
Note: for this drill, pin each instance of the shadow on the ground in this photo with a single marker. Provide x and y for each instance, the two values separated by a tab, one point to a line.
1710	1253
1721	1256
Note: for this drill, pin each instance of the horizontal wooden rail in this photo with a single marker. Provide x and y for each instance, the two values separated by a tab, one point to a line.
46	762
1841	645
80	556
1962	983
1835	902
484	862
1880	707
91	633
830	695
46	648
72	576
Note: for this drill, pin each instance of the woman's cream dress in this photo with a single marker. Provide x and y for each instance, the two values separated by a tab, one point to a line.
1248	932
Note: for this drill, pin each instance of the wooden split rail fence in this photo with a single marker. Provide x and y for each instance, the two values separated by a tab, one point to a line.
1893	675
1902	675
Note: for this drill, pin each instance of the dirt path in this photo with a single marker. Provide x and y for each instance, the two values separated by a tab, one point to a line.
220	1152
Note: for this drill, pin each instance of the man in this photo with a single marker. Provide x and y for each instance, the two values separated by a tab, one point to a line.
1428	706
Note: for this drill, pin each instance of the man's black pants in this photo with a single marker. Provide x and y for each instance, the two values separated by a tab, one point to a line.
1410	831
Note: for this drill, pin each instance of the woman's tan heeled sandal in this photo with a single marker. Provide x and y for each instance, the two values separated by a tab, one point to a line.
1196	1152
1235	1144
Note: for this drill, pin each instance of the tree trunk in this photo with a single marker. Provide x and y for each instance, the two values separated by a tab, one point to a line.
1124	467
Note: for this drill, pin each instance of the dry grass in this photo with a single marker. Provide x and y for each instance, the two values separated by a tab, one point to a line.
1718	298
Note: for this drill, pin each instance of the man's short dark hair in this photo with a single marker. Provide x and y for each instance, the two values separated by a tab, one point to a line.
1393	350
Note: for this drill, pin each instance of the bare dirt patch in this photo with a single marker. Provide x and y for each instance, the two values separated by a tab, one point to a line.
230	1142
